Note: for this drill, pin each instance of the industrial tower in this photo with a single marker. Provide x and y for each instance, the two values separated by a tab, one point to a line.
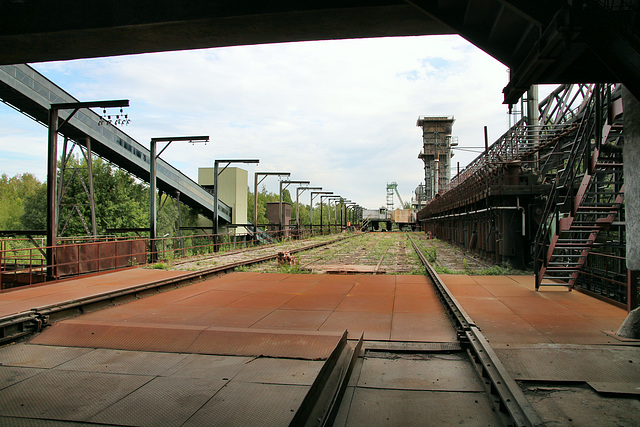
436	152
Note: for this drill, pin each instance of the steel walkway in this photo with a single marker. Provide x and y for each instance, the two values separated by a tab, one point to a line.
31	93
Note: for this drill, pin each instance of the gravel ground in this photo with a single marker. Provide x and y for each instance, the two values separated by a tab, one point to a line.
367	253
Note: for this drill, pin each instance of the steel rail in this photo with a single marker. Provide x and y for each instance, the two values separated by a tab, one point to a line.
510	401
22	324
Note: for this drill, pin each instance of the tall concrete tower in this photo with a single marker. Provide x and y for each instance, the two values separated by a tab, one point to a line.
436	152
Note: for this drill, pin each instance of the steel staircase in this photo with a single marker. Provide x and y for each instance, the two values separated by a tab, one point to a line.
586	196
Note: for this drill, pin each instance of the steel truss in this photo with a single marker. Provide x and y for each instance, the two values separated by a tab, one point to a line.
549	194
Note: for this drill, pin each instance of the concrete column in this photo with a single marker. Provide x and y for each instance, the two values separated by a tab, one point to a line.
631	155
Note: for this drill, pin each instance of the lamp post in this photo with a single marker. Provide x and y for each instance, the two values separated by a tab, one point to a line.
297	197
321	227
343	212
312	196
152	182
52	165
352	206
255	195
215	190
329	198
281	188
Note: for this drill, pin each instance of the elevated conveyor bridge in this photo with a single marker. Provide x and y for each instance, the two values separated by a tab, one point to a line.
31	93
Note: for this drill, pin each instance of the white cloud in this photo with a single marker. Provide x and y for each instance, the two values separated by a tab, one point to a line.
339	113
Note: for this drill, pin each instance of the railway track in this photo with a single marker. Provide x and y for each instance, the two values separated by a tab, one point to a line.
365	381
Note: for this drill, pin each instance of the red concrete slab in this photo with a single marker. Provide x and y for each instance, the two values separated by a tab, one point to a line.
261	300
314	301
367	303
417	304
297	320
429	327
376	326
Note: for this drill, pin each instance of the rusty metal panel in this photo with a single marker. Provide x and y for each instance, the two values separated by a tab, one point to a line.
123	253
189	339
308	345
139	251
67	260
107	255
88	254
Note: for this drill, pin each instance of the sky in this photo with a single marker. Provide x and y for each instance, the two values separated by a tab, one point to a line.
341	114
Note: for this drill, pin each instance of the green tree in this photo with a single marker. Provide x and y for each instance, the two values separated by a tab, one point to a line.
13	194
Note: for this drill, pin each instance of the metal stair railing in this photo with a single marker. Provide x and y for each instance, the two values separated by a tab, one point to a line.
558	203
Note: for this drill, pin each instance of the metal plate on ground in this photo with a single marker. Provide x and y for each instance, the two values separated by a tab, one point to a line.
280	371
123	362
123	336
250	404
38	356
400	346
67	395
381	407
580	406
208	367
239	342
186	339
573	363
451	372
166	401
11	375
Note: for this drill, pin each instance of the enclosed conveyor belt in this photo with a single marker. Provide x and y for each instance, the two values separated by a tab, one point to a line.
31	93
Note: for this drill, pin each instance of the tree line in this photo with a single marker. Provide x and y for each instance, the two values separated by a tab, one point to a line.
121	202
